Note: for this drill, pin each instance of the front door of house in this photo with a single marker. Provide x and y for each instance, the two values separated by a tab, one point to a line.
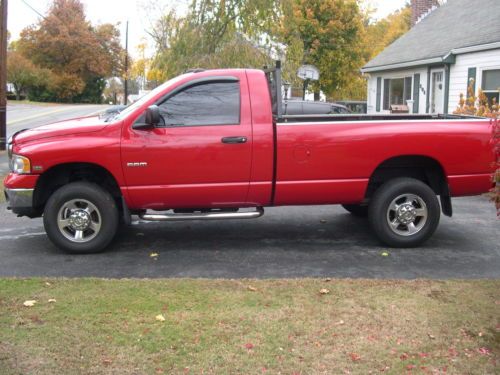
437	92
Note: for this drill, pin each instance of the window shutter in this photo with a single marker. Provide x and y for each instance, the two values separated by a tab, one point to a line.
416	92
379	93
387	99
471	79
407	89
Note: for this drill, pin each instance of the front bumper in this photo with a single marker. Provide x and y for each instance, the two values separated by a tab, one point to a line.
19	191
19	198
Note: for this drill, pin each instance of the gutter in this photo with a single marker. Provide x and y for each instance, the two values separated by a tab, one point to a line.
449	58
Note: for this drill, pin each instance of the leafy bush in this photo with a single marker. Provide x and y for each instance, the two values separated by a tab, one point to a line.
479	106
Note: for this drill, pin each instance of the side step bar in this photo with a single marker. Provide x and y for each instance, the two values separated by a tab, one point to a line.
203	216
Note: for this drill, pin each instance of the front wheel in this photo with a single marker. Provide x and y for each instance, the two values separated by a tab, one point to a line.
404	212
81	217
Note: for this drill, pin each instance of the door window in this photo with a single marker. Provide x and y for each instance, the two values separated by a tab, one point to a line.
212	103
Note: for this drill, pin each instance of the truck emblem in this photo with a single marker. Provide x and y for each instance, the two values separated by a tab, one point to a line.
137	164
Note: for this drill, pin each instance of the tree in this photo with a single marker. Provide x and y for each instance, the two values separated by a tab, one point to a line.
329	33
22	73
382	33
79	55
214	34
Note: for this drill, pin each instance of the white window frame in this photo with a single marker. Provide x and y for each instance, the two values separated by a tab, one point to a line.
397	76
479	83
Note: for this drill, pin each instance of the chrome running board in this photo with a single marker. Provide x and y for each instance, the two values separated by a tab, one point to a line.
203	216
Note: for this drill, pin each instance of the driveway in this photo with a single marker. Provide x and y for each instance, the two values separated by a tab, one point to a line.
287	242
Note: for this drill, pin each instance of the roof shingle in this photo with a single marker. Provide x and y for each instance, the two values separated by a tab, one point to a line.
456	24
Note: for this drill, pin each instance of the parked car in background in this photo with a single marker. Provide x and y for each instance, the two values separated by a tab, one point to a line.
355	106
112	111
304	107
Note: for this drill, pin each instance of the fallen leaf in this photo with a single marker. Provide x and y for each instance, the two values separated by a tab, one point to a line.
107	361
153	255
251	288
51	300
47	283
160	318
480	334
432	337
29	303
385	254
484	351
339	323
249	345
324	291
403	357
328	279
354	357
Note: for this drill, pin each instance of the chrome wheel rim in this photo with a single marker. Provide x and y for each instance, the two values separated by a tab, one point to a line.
79	220
407	215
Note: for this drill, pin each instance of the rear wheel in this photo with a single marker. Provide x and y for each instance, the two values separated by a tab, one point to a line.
81	218
356	209
404	212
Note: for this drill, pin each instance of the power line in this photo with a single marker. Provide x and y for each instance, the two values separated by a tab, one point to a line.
33	9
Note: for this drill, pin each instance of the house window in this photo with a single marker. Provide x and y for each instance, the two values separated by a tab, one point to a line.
396	91
491	84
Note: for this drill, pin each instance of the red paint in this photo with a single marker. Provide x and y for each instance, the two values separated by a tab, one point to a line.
188	167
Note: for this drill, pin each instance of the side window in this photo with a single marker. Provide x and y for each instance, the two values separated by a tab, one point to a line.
212	103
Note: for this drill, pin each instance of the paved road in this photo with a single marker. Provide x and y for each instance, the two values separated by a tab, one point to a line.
22	116
286	242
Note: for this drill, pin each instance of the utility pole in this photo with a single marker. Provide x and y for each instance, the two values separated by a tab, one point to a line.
125	101
3	74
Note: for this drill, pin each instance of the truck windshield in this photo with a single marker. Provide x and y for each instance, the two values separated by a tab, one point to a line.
144	99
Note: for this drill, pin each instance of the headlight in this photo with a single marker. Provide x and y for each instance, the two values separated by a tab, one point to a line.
20	164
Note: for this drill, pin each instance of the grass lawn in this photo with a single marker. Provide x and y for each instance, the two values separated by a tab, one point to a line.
42	104
100	326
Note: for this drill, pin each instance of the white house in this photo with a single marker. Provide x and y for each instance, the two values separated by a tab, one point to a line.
432	64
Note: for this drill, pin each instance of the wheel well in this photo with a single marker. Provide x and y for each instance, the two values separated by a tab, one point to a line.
64	174
422	168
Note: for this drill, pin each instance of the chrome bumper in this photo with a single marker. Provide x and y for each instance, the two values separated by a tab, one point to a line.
19	198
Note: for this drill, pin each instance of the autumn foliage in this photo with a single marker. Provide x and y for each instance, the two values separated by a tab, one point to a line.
480	106
64	56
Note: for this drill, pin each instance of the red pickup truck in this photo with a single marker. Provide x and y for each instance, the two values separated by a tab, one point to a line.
215	145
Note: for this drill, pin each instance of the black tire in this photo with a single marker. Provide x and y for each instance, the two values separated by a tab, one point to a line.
102	217
385	213
356	209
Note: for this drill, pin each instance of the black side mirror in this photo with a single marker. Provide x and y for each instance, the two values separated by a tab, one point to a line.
151	118
153	115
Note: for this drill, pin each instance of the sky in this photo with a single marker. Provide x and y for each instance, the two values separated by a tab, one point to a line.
137	12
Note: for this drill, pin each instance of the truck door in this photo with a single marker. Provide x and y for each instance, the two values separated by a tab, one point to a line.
200	156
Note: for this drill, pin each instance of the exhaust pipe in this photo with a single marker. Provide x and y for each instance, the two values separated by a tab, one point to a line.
203	216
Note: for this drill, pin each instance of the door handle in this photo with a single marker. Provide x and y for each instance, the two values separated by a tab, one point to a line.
234	140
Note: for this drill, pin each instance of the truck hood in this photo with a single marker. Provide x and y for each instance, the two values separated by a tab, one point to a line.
62	128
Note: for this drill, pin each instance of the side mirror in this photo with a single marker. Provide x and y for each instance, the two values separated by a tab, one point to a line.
153	115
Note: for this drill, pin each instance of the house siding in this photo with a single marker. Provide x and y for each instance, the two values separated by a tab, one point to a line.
372	87
459	73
